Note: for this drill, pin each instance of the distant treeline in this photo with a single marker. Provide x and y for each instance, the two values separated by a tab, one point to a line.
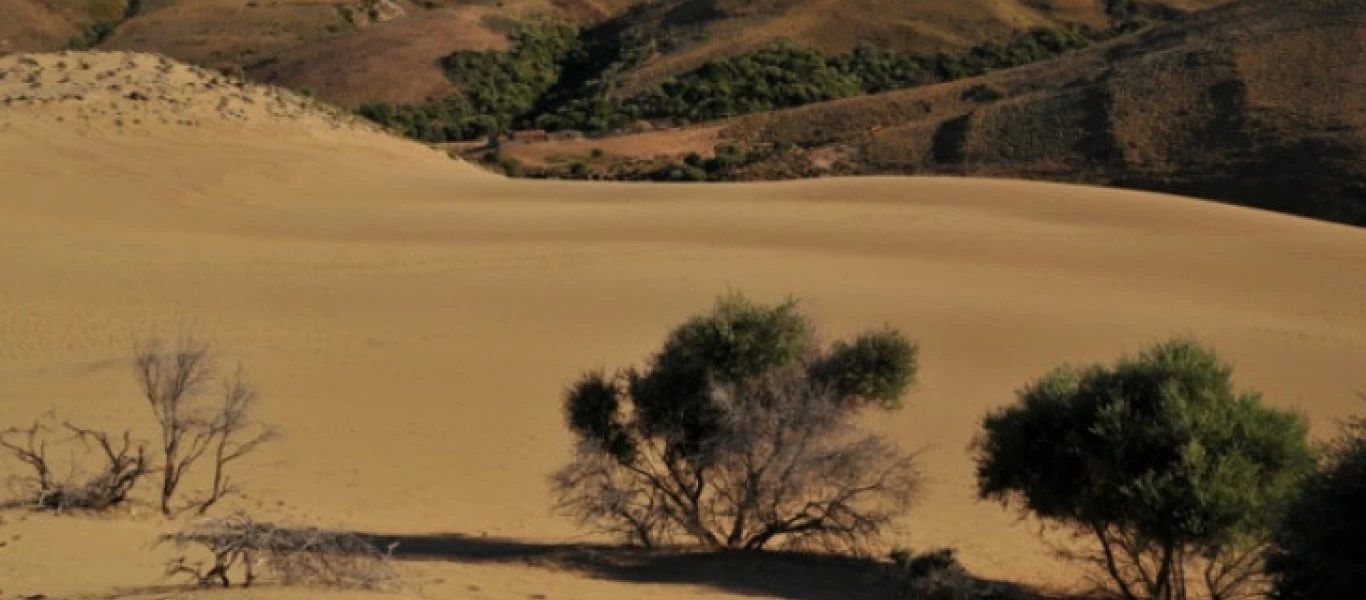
557	78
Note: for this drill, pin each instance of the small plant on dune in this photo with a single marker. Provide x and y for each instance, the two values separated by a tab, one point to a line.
1172	474
123	462
174	381
740	434
287	556
937	575
1319	552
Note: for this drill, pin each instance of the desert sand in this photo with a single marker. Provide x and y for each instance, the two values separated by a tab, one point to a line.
412	320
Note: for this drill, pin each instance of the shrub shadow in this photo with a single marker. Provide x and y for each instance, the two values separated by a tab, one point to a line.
798	576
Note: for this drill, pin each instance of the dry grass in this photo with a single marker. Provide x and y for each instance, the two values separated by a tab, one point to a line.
393	62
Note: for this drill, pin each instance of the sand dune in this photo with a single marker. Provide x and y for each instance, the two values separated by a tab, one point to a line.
413	320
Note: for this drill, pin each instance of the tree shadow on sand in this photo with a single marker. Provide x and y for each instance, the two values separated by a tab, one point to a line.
797	576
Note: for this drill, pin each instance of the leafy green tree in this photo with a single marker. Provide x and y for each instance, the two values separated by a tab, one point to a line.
740	434
1320	549
1174	475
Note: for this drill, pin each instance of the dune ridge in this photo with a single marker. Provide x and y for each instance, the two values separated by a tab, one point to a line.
412	320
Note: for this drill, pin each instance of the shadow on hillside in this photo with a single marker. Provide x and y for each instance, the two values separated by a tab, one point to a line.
778	574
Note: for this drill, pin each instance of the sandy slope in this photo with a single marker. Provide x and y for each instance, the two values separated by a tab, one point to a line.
412	320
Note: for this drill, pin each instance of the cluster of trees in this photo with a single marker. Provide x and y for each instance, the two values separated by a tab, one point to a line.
787	75
556	78
740	433
496	88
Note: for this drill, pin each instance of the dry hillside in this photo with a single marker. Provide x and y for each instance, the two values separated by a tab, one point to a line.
355	51
700	30
1251	103
412	322
347	51
28	25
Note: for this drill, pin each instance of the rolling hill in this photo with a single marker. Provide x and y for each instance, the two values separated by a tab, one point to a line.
696	31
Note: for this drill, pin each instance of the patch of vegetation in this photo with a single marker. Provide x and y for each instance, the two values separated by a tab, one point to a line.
1035	45
556	78
767	79
91	35
787	75
580	99
496	88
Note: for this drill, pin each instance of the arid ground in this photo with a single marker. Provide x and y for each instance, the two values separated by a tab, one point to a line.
412	320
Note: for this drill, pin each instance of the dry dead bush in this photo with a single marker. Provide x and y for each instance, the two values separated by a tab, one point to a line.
122	463
288	556
173	380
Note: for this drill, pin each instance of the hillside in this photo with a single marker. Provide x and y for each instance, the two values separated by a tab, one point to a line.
411	323
1249	104
358	51
695	31
347	52
38	25
1246	103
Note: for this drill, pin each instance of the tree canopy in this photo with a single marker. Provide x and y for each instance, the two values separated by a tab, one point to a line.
739	434
1157	457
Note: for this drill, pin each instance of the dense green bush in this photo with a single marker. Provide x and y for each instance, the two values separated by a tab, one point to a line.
770	78
880	70
1158	459
1320	549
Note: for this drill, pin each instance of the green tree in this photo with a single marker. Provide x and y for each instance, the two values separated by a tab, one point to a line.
1321	542
1174	474
740	434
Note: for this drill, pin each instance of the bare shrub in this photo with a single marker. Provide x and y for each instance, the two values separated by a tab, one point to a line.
289	556
173	381
233	434
123	464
